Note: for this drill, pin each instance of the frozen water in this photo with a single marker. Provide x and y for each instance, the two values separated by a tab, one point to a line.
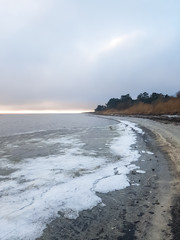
40	187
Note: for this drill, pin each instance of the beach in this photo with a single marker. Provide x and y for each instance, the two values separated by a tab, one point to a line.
89	120
89	177
147	210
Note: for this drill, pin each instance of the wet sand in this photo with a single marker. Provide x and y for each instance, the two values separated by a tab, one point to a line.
148	208
168	138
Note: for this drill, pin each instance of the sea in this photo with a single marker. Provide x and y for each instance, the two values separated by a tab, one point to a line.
57	163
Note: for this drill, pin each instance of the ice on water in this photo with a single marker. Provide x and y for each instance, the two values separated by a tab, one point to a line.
38	188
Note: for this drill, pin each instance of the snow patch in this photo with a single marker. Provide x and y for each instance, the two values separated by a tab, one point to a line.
112	183
140	171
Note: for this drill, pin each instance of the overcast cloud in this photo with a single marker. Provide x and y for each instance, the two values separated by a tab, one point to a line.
75	54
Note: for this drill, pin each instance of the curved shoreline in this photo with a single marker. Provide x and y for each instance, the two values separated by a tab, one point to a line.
139	212
168	138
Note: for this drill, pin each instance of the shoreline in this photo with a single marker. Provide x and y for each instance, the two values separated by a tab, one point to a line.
160	118
147	211
168	137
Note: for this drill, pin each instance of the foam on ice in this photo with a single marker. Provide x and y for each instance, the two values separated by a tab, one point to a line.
41	187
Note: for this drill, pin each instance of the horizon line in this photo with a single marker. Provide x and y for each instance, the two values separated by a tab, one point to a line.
45	111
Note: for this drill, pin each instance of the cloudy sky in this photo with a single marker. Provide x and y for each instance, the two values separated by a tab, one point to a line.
75	54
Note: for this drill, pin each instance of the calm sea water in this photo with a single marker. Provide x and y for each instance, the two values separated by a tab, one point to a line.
57	162
43	135
15	124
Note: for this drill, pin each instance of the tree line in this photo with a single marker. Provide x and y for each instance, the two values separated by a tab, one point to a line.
126	101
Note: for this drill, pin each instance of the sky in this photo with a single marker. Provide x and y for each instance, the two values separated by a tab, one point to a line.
71	55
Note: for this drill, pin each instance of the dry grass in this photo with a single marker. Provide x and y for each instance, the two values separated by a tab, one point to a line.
171	106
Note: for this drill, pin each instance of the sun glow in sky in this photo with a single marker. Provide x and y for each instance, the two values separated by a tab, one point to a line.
64	56
120	40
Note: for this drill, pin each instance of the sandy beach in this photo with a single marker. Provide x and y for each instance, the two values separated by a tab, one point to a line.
167	136
149	208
